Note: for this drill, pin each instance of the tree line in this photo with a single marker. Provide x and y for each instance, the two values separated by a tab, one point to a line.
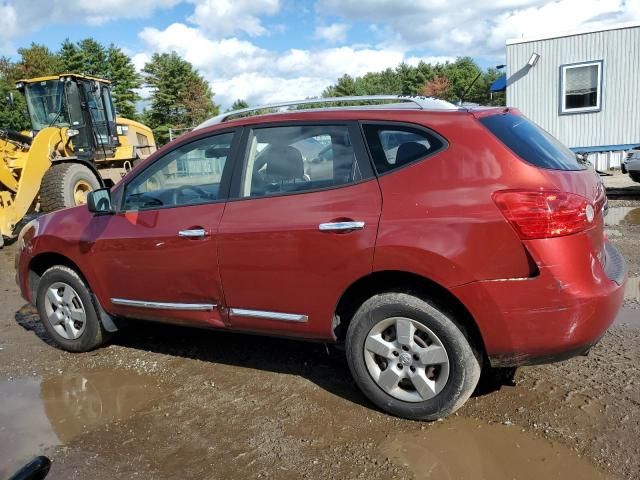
447	81
181	98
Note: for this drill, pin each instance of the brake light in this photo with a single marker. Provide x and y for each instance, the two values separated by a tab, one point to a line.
544	213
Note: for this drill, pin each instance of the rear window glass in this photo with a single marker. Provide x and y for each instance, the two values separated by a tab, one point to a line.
532	143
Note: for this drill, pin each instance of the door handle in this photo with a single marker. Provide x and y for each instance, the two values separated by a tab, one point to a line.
193	233
340	226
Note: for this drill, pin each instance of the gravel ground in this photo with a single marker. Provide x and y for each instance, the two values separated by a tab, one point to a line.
170	402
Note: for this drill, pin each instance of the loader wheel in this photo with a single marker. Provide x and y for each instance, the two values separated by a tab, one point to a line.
66	185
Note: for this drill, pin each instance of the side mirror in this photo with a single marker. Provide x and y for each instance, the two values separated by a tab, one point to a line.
99	201
10	99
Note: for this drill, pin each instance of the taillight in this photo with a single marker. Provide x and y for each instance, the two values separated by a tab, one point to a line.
544	213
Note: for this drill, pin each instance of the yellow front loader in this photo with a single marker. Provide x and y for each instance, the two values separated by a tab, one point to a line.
76	144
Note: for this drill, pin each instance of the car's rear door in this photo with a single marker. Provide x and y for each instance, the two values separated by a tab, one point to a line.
301	228
157	257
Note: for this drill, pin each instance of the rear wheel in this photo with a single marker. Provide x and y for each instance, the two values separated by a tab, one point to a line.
410	358
67	311
66	185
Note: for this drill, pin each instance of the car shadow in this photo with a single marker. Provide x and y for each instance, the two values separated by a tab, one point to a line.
322	364
27	317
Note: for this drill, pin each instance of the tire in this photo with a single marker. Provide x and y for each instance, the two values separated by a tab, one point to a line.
449	363
64	185
81	335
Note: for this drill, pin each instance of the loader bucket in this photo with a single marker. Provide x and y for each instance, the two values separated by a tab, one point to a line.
21	170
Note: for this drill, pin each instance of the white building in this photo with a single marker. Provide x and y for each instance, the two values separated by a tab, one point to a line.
583	87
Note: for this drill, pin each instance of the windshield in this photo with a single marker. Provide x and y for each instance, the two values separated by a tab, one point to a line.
46	104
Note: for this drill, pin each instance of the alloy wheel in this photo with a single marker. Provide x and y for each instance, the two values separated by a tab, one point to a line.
406	359
65	311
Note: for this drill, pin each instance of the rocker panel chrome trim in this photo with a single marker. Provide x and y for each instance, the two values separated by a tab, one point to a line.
163	305
286	317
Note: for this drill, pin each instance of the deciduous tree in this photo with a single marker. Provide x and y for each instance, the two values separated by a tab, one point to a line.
37	61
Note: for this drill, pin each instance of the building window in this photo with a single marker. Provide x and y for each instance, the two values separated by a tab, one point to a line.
581	87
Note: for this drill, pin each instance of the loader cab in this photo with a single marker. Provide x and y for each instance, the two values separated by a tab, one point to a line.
81	104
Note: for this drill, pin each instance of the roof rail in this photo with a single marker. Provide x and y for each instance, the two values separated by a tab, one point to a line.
422	103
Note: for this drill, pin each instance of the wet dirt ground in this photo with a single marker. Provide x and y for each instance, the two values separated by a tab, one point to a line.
170	402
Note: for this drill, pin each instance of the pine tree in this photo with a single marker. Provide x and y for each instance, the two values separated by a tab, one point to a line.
181	98
124	80
71	58
94	58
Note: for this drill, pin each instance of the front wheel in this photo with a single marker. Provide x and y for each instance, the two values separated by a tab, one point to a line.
67	311
410	358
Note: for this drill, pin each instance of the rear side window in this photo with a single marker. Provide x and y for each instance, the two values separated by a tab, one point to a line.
531	143
300	158
393	146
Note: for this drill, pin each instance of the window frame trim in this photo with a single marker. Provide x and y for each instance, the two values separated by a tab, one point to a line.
225	180
562	110
359	147
416	126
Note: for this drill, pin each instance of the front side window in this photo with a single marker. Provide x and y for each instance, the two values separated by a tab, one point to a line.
581	87
189	175
395	146
293	159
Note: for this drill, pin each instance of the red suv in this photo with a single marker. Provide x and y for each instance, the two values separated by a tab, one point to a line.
431	241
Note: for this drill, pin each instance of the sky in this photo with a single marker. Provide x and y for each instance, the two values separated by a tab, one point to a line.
270	50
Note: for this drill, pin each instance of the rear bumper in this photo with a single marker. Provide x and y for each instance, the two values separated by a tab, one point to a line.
558	314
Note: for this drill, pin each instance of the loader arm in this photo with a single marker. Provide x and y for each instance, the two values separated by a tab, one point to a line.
21	172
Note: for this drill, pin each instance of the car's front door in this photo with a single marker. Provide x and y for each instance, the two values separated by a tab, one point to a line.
157	257
301	228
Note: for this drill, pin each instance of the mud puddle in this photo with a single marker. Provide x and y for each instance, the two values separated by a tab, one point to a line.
461	448
36	413
623	216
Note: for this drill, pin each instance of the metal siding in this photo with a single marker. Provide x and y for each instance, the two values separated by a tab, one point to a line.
537	92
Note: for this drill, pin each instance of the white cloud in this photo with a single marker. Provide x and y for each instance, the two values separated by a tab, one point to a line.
222	18
94	12
225	57
20	17
8	27
470	27
334	33
240	69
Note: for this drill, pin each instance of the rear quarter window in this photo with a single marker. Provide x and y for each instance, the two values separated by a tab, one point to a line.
531	143
393	146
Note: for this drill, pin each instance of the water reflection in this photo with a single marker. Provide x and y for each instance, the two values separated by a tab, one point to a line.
37	414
